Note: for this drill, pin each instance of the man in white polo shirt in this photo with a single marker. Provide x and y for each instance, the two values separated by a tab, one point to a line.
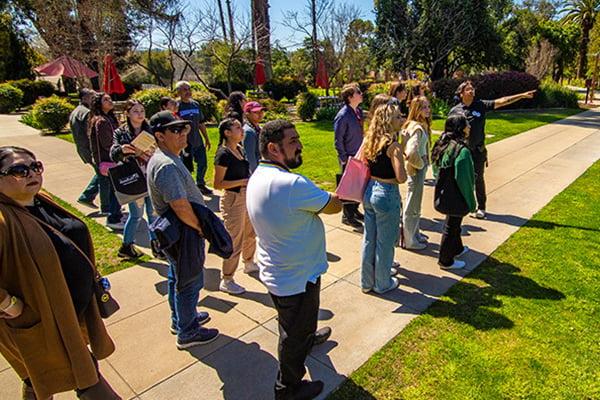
283	208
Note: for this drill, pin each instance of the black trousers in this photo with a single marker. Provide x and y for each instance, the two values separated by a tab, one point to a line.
479	161
297	316
451	244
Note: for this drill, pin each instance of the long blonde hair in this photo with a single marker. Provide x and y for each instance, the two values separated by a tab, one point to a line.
414	113
381	131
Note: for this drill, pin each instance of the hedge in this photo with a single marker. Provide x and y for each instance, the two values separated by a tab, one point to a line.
306	105
10	98
150	98
286	87
52	113
32	90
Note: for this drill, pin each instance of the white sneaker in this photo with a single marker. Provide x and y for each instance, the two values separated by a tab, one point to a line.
464	251
421	238
416	246
250	266
456	265
229	286
480	214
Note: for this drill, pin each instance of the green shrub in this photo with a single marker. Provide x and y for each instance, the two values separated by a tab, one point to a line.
197	86
286	87
273	106
552	94
372	91
221	106
326	113
28	120
272	115
306	106
439	108
32	90
10	98
208	104
52	113
150	98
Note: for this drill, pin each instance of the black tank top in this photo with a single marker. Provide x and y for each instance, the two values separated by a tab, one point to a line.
382	167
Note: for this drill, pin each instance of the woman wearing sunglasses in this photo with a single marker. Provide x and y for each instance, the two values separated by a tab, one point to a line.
48	313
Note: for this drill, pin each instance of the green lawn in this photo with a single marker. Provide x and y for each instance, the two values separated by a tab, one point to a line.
106	243
524	325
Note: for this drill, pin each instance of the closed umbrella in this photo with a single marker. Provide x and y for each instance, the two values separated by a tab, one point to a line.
260	78
112	81
322	79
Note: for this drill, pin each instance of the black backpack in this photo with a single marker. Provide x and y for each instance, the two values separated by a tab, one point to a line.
447	198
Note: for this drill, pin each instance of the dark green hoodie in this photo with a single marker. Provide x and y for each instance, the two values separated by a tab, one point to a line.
464	173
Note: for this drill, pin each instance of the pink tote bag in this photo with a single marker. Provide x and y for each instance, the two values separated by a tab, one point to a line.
354	180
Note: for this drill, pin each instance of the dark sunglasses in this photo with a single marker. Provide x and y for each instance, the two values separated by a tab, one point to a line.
178	129
23	170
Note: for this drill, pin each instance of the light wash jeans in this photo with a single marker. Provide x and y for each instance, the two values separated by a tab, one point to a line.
412	208
382	205
183	303
136	211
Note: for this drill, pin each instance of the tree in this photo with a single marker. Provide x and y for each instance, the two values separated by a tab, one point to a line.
582	12
438	36
261	34
16	57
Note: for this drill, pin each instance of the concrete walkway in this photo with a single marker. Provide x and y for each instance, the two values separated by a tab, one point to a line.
525	172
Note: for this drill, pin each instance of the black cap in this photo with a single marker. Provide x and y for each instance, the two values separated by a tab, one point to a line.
164	119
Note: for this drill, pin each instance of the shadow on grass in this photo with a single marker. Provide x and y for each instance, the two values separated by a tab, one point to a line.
471	303
350	390
533	223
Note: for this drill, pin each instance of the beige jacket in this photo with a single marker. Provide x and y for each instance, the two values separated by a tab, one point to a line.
416	151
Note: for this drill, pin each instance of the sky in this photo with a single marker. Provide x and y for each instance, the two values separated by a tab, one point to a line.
279	32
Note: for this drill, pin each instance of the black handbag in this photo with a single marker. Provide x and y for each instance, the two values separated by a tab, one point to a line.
107	305
447	197
128	181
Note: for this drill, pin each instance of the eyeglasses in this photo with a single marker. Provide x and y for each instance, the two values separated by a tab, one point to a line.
23	170
179	129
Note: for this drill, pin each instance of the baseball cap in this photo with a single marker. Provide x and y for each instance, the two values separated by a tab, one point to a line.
253	106
164	119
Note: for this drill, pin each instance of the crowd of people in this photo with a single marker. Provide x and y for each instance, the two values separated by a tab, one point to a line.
271	216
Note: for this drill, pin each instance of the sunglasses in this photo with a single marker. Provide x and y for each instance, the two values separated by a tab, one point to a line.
179	129
23	170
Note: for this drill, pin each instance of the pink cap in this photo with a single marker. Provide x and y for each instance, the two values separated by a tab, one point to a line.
253	106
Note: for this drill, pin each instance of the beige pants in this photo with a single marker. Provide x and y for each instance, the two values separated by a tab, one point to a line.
237	222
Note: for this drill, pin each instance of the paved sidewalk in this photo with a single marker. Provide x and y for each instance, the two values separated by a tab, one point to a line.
525	172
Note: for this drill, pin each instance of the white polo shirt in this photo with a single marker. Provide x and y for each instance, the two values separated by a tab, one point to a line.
283	208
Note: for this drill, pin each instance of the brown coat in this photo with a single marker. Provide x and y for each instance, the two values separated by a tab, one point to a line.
47	343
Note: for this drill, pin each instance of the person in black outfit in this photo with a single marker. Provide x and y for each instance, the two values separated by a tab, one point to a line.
235	106
475	111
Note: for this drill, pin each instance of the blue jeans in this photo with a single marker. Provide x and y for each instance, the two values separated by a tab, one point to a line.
197	155
91	191
412	209
183	303
382	218
108	199
136	212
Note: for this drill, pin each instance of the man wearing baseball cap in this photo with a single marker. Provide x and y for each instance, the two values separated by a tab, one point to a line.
171	186
254	113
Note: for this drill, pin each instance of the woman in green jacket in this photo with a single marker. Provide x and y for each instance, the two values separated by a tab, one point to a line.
451	151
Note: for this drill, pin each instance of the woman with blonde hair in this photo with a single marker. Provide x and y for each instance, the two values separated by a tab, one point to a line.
382	200
416	135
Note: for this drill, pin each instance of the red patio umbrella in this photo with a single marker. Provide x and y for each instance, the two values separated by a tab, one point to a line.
112	81
260	77
66	66
322	79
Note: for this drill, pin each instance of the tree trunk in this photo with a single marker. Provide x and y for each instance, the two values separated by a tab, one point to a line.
231	29
313	12
222	17
586	26
261	30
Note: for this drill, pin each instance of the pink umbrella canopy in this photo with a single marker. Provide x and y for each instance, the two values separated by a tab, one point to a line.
112	81
66	66
260	77
322	79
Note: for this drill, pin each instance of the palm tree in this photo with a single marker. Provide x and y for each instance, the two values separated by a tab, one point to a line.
261	30
582	12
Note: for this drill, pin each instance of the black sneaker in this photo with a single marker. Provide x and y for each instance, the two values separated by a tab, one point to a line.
87	203
202	317
156	251
203	336
321	335
305	390
352	222
129	251
205	190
